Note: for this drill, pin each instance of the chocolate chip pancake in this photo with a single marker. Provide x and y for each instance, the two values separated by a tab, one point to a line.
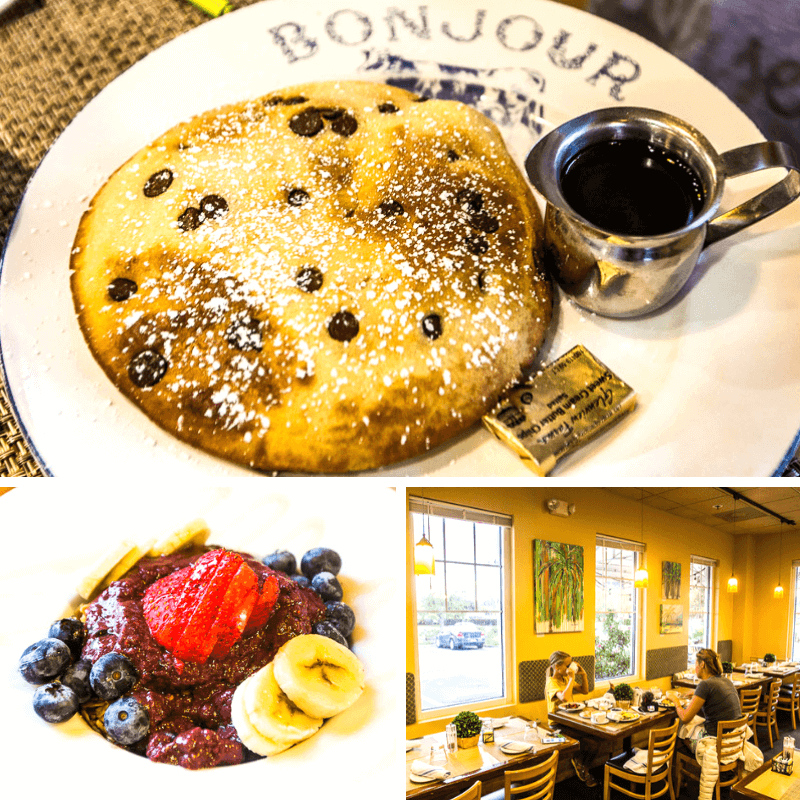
330	278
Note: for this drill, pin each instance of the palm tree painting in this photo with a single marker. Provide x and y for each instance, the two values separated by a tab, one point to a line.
557	587
671	579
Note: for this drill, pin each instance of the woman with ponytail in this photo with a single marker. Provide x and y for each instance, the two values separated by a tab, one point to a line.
715	695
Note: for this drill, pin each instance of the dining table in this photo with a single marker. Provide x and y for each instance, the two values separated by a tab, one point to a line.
612	733
765	784
776	671
485	762
742	681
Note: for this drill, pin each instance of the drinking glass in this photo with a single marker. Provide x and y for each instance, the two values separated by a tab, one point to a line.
451	735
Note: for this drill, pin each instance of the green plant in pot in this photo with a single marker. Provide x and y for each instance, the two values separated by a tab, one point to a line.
727	667
468	728
769	658
623	694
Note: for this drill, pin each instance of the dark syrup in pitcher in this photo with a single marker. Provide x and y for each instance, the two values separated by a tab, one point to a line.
632	187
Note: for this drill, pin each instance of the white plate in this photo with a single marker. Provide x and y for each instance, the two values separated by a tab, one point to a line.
422	779
615	717
53	531
717	372
578	707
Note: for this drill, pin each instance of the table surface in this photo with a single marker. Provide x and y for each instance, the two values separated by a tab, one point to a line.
746	682
613	731
485	763
764	784
779	672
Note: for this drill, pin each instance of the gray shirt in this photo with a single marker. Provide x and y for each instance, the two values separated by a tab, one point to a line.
721	701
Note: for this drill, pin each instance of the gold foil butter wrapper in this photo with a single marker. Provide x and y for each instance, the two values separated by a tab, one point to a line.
571	400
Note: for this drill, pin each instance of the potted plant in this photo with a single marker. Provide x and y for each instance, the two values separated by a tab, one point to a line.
468	728
727	668
623	694
769	658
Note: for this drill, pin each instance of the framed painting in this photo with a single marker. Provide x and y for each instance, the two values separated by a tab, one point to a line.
557	587
671	580
671	618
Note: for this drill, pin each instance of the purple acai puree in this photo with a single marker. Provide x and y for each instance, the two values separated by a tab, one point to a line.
190	704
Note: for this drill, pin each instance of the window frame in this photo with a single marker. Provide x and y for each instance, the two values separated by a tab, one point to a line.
713	566
639	550
438	509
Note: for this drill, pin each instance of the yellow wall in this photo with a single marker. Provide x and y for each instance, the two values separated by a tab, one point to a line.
667	537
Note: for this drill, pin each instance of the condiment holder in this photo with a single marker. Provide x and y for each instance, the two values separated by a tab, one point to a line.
632	196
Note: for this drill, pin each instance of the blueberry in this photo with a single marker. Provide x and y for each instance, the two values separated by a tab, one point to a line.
320	559
341	616
112	675
76	676
126	721
326	628
55	702
302	580
71	632
44	660
327	586
281	560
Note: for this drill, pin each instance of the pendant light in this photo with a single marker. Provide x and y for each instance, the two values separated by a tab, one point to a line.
641	578
779	589
733	584
424	563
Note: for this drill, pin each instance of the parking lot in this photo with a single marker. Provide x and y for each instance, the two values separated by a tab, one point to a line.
455	677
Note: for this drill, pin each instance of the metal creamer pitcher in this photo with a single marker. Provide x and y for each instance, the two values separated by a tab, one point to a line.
619	274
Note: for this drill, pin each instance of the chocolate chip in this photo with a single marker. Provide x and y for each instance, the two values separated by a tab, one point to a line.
421	99
147	368
388	108
297	197
158	183
213	206
345	125
470	200
330	112
343	326
190	219
245	334
349	213
309	279
285	101
432	326
482	280
121	289
390	208
452	155
476	244
307	123
484	222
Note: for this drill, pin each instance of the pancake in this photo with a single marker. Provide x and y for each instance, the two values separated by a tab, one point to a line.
331	278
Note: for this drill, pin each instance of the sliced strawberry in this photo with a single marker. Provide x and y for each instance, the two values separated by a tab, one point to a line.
197	640
234	611
159	603
265	605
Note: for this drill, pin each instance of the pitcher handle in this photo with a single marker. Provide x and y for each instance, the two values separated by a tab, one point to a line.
751	158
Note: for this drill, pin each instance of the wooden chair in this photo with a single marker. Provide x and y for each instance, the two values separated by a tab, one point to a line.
534	783
473	793
731	737
789	698
766	713
749	700
660	751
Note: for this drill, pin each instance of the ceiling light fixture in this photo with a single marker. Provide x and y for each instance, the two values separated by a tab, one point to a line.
641	578
733	584
779	589
424	562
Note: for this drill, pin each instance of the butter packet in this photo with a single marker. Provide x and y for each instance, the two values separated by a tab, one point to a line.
568	402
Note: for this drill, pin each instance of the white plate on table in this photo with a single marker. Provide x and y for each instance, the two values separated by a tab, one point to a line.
717	371
576	708
55	531
422	779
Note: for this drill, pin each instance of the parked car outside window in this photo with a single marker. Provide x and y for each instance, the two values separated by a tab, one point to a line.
460	636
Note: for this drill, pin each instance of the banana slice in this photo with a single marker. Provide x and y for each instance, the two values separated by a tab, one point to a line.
320	676
196	532
103	567
247	732
272	713
124	564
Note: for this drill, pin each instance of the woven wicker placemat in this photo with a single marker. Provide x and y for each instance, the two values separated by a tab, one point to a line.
55	56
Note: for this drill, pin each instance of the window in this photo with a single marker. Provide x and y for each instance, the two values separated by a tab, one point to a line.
461	614
701	604
616	627
795	610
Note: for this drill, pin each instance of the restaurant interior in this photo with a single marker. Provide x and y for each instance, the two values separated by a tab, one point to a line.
635	585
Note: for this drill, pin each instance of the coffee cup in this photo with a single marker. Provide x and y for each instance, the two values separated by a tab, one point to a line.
599	717
631	201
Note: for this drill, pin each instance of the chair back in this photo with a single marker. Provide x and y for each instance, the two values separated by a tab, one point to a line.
794	682
473	793
534	783
749	700
731	736
661	748
774	693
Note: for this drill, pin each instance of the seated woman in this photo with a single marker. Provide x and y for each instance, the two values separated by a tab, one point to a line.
715	695
566	677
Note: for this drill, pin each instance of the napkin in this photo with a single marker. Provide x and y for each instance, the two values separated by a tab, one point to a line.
639	762
513	746
425	770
